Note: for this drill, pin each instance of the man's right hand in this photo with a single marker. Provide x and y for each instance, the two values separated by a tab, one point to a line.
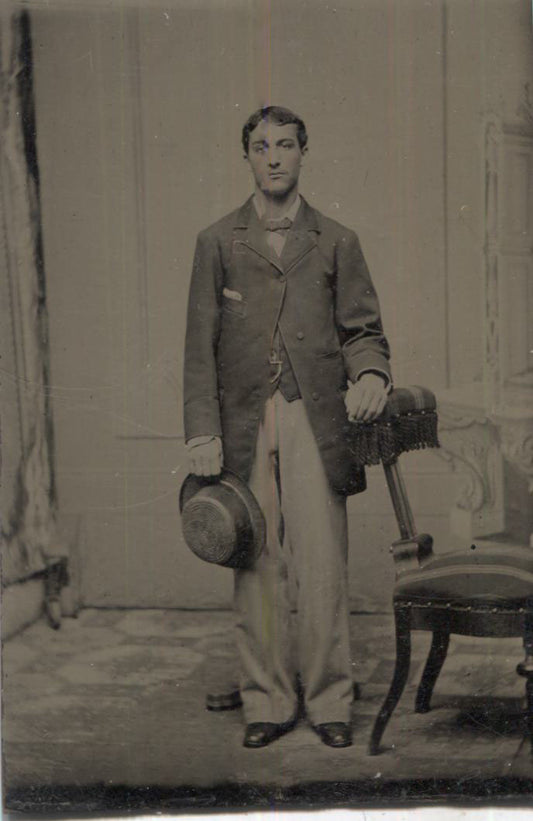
205	455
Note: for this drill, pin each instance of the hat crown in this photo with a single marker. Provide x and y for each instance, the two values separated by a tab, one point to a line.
221	521
212	520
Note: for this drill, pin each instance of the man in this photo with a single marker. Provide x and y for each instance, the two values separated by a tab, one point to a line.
284	352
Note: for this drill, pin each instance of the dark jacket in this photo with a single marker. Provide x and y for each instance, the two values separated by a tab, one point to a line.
321	294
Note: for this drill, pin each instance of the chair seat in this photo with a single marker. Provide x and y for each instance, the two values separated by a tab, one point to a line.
485	573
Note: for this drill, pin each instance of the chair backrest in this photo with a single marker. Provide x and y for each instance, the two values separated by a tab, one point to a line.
409	422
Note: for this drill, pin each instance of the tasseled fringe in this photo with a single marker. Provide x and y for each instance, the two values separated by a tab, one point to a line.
384	441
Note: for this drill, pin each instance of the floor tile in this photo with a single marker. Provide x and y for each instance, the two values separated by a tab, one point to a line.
100	618
16	655
17	686
127	663
175	623
63	717
118	697
72	636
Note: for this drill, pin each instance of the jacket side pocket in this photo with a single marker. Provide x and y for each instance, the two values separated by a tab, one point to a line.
234	306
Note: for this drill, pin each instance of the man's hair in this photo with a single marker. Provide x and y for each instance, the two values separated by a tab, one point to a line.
273	114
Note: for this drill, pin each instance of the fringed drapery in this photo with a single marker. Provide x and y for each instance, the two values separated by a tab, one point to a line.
408	423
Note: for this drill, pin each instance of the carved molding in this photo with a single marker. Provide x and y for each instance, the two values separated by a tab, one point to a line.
508	236
470	443
525	110
492	314
516	441
477	430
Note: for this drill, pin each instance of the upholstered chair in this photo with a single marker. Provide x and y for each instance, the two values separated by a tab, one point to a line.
483	590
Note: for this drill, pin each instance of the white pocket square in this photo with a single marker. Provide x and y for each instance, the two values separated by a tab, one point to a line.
232	294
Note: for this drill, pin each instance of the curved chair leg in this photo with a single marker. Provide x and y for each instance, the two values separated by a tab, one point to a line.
529	693
401	672
435	660
525	668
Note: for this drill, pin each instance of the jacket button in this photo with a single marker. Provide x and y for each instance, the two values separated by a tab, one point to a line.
282	279
315	396
300	335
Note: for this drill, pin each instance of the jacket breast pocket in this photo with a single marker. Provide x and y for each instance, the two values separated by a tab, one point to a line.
230	305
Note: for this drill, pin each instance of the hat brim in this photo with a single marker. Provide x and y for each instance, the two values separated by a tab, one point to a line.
193	483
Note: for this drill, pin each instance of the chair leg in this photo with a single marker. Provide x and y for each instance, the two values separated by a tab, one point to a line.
529	695
525	668
401	672
435	660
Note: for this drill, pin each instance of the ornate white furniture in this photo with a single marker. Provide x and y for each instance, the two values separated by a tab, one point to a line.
486	429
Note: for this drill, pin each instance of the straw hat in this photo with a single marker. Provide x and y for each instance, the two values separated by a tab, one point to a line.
221	519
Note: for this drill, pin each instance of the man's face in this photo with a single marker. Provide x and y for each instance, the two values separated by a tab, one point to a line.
275	157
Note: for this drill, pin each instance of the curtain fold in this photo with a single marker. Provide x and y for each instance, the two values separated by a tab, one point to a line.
29	505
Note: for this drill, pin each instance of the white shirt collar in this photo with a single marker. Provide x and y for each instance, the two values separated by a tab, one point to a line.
290	214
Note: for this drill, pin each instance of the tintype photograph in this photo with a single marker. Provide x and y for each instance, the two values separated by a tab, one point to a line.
266	404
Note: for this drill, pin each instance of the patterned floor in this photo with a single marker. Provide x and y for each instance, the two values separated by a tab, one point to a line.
116	698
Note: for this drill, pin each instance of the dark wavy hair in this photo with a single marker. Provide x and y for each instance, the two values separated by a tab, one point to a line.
273	114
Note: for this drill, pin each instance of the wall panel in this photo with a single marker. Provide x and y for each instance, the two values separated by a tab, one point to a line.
139	128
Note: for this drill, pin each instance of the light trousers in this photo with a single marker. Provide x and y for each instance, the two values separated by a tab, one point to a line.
305	527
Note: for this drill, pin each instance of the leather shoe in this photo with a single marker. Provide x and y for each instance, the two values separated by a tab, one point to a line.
261	733
334	733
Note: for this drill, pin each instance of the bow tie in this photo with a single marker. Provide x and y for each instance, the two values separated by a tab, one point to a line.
278	225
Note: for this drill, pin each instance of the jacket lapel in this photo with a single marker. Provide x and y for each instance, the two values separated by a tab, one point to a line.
247	231
300	240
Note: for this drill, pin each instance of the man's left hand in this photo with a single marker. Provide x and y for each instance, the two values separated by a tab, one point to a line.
366	399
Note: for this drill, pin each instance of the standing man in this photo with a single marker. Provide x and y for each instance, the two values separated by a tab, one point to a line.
284	352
